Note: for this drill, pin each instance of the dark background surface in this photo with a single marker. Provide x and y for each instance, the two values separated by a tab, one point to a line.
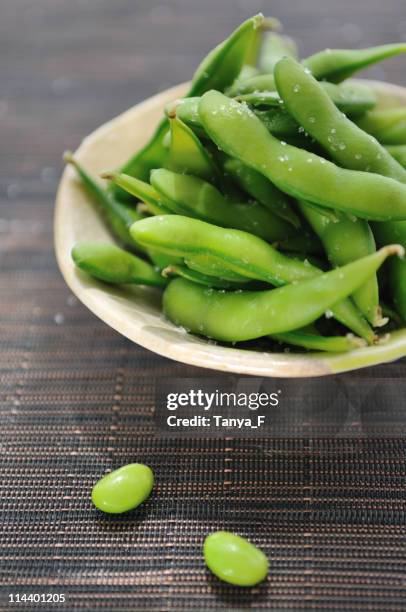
77	399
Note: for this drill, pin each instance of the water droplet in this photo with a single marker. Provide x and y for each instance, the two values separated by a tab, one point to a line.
283	143
296	88
342	146
312	119
358	156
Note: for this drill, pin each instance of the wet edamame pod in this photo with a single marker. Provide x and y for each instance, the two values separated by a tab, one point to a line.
246	315
353	99
336	65
217	70
346	143
194	197
387	125
262	190
240	252
239	133
345	240
111	264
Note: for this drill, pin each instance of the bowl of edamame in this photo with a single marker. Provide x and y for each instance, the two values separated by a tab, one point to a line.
259	226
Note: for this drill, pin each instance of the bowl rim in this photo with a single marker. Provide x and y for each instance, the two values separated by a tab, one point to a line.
189	349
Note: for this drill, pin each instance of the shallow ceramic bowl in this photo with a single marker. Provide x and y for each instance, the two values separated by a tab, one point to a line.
136	312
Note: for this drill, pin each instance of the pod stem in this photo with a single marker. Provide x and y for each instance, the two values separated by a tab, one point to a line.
108	175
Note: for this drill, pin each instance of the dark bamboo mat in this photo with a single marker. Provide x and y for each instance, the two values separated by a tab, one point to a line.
76	399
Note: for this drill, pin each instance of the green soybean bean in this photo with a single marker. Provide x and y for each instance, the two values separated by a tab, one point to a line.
345	240
336	65
347	144
398	152
118	216
262	190
235	317
238	251
194	197
111	264
317	342
387	125
234	559
187	154
274	47
218	70
239	133
124	489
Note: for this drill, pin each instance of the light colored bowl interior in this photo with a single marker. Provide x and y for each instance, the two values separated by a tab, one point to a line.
136	312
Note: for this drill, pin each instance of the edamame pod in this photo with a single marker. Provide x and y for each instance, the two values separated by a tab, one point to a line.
336	65
187	154
347	144
387	125
398	152
194	197
111	264
260	82
153	155
239	133
118	216
187	110
198	277
141	190
384	233
223	64
353	99
346	240
236	317
274	47
262	190
316	342
218	70
238	251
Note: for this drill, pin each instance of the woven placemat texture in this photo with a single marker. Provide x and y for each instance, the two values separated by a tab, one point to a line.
77	399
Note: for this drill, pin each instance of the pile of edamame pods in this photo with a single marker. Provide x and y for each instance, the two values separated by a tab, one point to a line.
267	200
